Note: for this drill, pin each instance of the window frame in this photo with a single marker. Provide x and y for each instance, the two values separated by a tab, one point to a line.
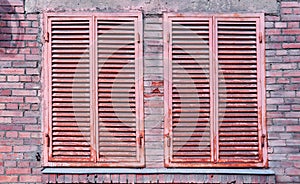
46	89
261	94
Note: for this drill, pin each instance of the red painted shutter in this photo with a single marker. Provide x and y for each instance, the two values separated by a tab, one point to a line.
69	110
188	135
93	90
240	66
214	88
120	91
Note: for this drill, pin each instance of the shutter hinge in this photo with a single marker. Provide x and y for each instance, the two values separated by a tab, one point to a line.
168	140
47	137
263	139
139	38
168	37
46	37
260	37
141	140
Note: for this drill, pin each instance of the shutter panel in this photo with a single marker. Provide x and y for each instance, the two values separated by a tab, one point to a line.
215	107
188	135
240	90
93	90
70	120
120	91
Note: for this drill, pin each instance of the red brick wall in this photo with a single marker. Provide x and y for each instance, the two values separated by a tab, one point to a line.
20	113
283	96
20	125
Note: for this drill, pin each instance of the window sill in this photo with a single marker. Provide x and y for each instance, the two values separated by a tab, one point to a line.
156	171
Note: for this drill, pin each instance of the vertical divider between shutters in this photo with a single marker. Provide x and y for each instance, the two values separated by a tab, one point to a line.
261	90
141	83
139	89
167	88
46	93
93	97
214	91
49	85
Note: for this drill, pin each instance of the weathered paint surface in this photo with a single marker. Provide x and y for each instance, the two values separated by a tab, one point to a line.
156	6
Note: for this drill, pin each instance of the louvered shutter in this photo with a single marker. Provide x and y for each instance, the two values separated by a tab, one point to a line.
70	118
214	91
120	91
240	78
188	135
93	90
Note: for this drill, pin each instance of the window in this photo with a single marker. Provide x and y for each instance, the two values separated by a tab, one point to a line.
214	90
93	90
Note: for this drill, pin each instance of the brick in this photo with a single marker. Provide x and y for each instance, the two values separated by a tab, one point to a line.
5	149
32	57
23	164
10	127
293	128
291	31
290	17
32	100
293	24
11	134
292	114
24	92
284	179
11	85
31	17
24	64
282	94
10	113
275	101
277	143
17	171
286	150
5	92
12	71
291	45
280	24
13	78
293	171
10	163
277	66
5	120
12	57
32	30
286	11
291	4
273	32
8	179
25	148
291	73
31	178
24	120
32	71
19	9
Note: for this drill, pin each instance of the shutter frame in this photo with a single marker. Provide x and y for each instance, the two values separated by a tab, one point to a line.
262	160
46	90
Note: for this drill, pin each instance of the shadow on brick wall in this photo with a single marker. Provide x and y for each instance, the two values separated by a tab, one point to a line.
10	30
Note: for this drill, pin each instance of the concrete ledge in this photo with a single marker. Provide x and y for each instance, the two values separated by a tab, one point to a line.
154	6
156	171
